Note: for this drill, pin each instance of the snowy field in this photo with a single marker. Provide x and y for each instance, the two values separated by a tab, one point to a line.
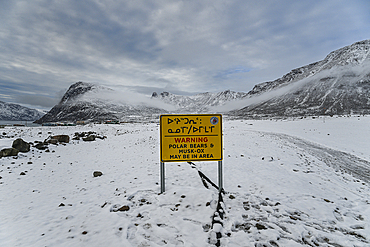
287	182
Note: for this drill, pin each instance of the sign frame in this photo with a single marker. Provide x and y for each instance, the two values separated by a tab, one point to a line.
215	119
209	133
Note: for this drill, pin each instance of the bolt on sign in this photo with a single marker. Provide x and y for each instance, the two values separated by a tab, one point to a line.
195	137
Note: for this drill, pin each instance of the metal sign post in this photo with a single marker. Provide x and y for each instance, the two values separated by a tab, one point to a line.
220	175
162	170
195	137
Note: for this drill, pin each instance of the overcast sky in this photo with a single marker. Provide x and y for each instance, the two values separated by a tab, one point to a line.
184	47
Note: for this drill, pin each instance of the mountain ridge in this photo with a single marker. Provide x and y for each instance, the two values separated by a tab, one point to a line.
337	85
16	112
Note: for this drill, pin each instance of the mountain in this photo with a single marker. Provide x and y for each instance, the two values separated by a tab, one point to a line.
337	85
86	101
89	102
15	112
198	103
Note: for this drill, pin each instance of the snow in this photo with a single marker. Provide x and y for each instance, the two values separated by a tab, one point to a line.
282	185
348	134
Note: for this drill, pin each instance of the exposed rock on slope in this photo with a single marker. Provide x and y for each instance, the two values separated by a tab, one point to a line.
87	101
202	102
339	84
14	112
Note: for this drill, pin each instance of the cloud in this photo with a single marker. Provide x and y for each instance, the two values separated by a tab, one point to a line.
37	100
349	74
185	46
126	97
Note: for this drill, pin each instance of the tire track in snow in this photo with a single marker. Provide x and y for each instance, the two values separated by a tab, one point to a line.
349	163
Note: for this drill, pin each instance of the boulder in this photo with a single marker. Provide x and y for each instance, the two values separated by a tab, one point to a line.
41	146
9	152
97	174
21	145
52	141
61	138
124	208
89	138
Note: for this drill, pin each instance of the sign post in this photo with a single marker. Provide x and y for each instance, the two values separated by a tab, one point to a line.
162	177
195	137
220	176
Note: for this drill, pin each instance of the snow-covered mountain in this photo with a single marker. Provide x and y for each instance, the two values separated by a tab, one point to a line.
15	112
200	102
339	84
86	101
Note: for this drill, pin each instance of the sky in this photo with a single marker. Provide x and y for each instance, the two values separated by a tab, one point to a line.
183	47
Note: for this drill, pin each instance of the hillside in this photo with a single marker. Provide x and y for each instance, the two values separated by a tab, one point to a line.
86	101
15	112
337	85
89	102
198	103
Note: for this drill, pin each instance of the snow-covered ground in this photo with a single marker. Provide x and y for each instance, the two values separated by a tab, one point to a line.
288	183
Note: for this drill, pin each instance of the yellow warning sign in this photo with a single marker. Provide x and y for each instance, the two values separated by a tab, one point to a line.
196	137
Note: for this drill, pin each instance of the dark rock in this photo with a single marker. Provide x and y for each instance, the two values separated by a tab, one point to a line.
124	208
97	174
246	206
21	145
22	173
260	226
89	138
41	146
84	232
9	152
52	141
61	138
61	205
77	134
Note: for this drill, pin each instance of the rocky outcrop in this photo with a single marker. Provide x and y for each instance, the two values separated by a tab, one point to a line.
61	138
21	145
9	152
88	136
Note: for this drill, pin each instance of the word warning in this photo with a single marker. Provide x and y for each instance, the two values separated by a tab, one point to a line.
191	137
